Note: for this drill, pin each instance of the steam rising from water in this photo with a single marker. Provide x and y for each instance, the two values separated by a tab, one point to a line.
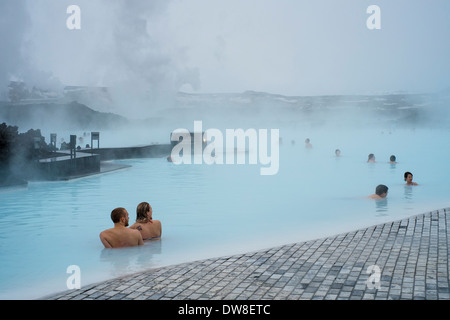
120	46
145	52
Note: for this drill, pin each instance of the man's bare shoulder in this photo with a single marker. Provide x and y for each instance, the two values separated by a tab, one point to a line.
106	232
105	238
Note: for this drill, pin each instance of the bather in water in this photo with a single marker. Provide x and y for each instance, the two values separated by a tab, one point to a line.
120	236
149	228
392	159
371	158
408	178
308	144
381	192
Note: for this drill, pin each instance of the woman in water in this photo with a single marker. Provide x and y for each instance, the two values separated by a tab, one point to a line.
371	158
149	228
408	178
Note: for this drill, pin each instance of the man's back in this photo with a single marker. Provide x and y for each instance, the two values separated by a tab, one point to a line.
121	237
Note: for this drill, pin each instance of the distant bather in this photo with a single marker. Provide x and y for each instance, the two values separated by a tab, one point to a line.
381	192
371	158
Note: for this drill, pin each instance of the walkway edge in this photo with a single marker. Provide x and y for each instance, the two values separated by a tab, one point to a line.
406	259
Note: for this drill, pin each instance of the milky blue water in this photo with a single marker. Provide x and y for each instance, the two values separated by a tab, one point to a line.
215	210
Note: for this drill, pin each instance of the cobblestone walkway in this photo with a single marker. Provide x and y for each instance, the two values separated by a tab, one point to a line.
412	256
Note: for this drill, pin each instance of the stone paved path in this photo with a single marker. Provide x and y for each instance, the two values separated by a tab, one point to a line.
412	256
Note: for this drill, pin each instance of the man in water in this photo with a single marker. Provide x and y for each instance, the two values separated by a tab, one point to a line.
408	178
149	228
120	236
380	192
392	159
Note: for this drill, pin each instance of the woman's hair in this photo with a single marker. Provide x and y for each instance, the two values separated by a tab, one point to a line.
141	211
406	174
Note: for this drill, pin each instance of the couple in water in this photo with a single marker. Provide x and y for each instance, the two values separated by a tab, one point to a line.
120	235
381	190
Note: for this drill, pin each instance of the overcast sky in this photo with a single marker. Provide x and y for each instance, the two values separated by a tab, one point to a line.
289	47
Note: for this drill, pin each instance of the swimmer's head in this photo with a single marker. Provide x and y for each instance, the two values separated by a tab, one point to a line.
407	174
381	190
142	211
337	152
307	140
118	213
371	157
393	158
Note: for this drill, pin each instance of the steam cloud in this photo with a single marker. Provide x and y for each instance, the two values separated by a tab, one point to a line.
13	25
144	51
119	46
